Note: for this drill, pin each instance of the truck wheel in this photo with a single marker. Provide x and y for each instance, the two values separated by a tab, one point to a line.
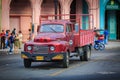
80	53
82	58
87	53
27	63
66	60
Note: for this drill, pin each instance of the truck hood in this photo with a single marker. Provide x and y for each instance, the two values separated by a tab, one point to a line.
48	37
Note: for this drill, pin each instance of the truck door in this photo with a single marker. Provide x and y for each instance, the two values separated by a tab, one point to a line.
69	35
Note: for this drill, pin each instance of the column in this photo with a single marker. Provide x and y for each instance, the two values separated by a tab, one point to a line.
102	13
65	8
94	10
36	14
5	14
0	13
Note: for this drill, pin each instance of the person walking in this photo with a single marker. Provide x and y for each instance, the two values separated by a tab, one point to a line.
16	44
11	41
30	35
3	39
14	31
20	39
7	35
106	34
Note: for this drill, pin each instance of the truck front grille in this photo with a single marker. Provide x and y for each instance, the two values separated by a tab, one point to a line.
40	49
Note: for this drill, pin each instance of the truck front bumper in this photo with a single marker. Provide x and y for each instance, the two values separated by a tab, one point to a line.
43	57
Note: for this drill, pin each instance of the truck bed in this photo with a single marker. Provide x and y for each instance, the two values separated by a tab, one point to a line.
86	37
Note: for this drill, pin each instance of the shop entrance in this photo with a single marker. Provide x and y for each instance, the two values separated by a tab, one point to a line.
112	24
118	25
112	19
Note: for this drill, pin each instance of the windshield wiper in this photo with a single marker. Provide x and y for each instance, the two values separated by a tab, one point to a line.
53	30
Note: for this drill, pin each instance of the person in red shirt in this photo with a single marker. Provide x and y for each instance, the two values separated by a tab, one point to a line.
2	39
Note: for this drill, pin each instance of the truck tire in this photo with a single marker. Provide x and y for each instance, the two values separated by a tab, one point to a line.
81	58
66	60
27	63
87	53
80	53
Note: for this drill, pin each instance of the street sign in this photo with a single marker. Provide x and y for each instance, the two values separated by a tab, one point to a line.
113	5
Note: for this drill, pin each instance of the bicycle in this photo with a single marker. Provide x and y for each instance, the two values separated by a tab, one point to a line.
99	45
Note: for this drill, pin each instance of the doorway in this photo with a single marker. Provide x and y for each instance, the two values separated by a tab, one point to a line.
112	24
15	23
73	11
118	25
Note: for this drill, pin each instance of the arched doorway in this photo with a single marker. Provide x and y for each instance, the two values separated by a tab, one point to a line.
112	19
80	7
20	16
49	7
85	19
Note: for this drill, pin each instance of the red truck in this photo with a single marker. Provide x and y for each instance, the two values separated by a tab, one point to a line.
58	40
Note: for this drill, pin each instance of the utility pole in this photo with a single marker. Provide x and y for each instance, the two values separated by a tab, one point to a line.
55	5
0	13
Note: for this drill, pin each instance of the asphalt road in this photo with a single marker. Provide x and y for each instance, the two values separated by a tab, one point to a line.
104	65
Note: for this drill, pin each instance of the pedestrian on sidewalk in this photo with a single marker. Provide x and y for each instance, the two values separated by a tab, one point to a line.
14	31
11	41
106	34
2	39
30	35
20	39
16	44
7	35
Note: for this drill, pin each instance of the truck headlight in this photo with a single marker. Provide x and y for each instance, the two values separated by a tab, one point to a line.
29	48
52	48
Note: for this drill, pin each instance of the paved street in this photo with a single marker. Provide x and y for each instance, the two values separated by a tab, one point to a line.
104	65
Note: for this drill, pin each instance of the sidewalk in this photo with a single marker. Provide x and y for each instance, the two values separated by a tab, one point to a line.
6	51
110	45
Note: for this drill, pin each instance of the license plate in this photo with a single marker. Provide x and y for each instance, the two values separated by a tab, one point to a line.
39	58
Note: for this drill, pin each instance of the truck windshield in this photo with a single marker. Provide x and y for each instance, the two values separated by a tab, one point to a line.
52	28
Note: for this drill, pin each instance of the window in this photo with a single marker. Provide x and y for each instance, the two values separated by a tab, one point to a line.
68	28
52	28
76	28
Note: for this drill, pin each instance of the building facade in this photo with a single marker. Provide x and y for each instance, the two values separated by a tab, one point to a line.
110	17
22	14
0	13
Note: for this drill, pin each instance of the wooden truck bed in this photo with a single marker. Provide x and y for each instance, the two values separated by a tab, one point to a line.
86	37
